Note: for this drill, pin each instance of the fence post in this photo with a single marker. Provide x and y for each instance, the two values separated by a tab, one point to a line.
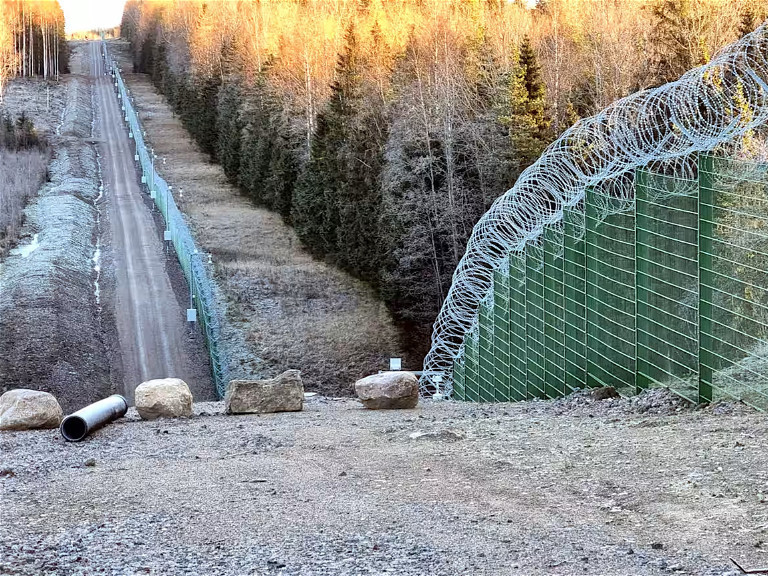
518	355
574	298
534	310
706	165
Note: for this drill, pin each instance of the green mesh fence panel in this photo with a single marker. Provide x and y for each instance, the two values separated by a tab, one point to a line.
471	388
518	354
501	337
733	248
458	378
574	299
534	311
485	353
554	314
672	291
610	294
198	275
667	283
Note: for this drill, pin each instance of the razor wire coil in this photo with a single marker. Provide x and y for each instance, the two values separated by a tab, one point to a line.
662	128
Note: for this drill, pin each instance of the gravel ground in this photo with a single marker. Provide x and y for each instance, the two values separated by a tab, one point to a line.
647	485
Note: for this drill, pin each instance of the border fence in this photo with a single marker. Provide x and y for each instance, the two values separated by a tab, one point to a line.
668	288
178	233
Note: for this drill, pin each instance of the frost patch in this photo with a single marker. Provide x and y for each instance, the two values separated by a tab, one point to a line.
27	249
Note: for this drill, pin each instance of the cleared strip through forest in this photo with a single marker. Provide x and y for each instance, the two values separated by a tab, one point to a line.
282	308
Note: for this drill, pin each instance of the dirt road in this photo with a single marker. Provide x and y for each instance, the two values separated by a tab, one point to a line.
154	338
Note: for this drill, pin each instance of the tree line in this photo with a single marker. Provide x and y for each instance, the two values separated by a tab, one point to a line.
32	40
383	129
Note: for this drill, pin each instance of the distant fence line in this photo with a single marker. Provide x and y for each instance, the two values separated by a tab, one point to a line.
669	289
190	258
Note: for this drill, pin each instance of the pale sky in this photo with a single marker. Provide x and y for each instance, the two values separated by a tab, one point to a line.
90	14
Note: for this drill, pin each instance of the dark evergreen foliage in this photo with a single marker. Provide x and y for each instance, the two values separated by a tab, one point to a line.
19	134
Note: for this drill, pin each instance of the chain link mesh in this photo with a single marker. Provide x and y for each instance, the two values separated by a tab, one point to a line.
193	264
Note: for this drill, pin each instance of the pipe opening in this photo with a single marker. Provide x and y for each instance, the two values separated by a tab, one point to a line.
74	428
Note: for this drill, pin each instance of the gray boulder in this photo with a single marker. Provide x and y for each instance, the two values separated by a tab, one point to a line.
23	409
282	394
388	391
164	398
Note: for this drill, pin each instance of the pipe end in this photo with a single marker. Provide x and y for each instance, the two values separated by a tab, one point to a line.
73	428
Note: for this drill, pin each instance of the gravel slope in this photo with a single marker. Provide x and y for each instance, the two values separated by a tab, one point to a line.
641	486
51	333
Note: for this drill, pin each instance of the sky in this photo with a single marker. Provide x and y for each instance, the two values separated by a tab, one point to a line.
89	14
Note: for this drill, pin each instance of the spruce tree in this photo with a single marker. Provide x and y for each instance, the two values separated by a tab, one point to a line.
229	128
256	137
319	192
535	91
678	37
526	110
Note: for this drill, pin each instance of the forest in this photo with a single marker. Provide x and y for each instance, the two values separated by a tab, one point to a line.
382	130
32	40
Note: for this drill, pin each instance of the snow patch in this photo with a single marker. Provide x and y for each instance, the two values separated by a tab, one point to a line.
96	205
27	249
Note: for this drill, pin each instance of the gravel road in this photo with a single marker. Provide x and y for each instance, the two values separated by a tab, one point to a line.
155	340
575	486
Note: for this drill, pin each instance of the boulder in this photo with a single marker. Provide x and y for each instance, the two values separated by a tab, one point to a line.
388	390
165	398
282	394
28	409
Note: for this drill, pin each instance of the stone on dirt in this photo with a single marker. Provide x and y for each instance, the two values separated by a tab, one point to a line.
388	390
282	394
23	409
164	398
604	393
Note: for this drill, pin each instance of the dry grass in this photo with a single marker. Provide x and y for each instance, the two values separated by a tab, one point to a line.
295	312
21	174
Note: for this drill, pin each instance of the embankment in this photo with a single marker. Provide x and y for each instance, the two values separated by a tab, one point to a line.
50	326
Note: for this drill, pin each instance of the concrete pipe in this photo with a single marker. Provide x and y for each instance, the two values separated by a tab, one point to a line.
77	426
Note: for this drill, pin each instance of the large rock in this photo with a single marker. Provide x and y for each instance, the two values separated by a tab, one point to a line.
27	409
282	394
166	398
388	390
